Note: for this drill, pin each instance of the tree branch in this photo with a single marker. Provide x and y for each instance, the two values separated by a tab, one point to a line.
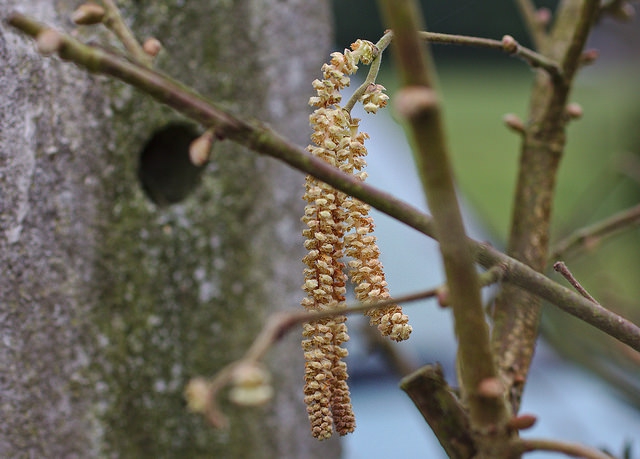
262	140
508	44
516	314
373	72
570	449
589	236
417	102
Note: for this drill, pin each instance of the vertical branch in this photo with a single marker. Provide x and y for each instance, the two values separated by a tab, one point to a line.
516	313
418	103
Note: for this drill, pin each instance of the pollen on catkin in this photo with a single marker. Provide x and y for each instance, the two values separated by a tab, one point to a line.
338	225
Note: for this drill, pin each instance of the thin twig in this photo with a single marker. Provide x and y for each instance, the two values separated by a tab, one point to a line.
562	268
591	235
515	49
114	22
261	139
535	27
274	329
526	445
533	58
516	314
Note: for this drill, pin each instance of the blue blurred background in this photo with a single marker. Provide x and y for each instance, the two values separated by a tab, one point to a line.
583	386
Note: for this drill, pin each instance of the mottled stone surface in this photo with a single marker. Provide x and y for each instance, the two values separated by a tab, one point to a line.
110	303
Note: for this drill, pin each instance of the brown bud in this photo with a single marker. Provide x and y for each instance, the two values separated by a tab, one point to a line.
574	111
88	14
522	422
513	122
509	44
49	41
589	56
443	297
152	46
200	149
543	16
490	388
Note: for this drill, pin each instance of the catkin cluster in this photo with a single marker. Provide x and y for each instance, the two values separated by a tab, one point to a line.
338	225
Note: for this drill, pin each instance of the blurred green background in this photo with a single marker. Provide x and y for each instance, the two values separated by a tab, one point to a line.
600	173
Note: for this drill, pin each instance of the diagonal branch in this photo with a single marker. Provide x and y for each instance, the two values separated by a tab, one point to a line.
508	44
569	449
264	141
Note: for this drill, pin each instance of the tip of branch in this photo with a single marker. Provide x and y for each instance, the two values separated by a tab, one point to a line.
88	14
589	56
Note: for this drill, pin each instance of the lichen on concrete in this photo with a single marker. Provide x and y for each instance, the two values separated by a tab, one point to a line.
110	303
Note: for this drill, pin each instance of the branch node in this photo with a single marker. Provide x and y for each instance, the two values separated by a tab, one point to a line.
513	122
589	56
416	101
49	42
561	268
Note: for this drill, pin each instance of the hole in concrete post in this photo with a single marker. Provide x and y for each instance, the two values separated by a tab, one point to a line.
165	171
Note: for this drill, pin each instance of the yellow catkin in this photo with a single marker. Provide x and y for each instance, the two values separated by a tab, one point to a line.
335	224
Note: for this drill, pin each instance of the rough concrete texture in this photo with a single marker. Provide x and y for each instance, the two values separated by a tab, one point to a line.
110	303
